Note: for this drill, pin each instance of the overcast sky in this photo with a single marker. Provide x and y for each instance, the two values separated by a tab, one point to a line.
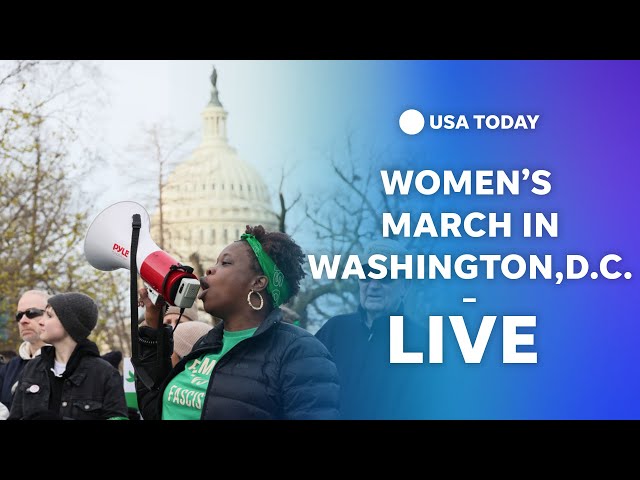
175	92
280	113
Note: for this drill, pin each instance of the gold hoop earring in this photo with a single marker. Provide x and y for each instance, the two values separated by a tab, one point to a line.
251	304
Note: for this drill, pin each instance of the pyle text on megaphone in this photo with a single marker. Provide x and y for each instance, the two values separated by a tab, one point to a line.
107	247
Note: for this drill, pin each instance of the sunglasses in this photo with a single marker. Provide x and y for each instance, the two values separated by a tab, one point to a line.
30	313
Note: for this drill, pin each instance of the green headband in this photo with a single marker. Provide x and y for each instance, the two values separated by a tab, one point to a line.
277	286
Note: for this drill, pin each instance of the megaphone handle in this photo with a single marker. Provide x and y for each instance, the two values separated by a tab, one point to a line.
161	348
133	286
160	351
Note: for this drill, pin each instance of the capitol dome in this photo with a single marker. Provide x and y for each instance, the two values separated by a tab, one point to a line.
212	195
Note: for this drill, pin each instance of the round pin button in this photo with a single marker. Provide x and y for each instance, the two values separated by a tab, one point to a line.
34	389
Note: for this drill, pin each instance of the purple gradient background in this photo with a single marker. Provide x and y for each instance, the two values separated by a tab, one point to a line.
588	136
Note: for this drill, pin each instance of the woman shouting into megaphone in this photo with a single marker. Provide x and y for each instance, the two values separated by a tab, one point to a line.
252	365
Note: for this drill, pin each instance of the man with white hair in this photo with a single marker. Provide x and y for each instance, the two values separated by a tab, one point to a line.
370	387
31	307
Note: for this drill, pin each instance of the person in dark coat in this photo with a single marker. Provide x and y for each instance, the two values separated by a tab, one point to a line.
31	307
252	365
114	358
69	380
371	387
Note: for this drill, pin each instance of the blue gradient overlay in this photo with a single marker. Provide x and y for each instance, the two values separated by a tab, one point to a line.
587	136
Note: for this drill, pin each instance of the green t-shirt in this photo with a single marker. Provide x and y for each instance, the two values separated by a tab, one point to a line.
184	396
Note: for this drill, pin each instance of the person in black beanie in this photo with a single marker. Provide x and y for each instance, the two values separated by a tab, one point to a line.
69	381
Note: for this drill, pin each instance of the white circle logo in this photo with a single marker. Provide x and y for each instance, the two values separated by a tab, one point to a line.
411	122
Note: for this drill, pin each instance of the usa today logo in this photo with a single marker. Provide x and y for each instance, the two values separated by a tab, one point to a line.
412	122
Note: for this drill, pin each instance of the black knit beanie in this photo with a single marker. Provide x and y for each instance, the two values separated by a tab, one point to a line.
77	312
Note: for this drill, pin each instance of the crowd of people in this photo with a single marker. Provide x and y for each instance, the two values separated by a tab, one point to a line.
253	364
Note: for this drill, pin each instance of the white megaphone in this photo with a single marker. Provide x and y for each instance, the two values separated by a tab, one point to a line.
107	246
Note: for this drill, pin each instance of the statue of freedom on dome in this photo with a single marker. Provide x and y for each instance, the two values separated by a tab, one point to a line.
214	89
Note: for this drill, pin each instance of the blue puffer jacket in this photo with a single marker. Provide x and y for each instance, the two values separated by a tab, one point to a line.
281	372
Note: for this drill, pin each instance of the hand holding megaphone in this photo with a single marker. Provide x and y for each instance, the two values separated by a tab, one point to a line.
151	310
107	246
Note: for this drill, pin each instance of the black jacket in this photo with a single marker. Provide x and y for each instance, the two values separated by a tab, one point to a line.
91	388
281	372
9	374
371	387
